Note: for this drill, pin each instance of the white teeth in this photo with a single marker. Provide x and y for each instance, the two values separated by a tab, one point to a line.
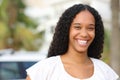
82	42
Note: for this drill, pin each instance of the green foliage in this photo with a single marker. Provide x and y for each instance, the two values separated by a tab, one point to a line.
24	38
16	29
3	13
106	52
4	35
24	19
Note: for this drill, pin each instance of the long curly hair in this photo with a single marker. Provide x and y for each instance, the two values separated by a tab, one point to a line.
59	45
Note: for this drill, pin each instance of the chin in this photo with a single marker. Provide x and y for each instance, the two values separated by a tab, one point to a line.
82	51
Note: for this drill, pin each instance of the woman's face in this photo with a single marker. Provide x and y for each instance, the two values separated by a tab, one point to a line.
82	32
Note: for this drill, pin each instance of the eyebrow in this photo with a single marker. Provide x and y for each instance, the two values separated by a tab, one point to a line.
80	24
76	24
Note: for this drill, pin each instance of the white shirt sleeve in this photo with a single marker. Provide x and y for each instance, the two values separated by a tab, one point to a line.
104	70
109	72
43	70
38	71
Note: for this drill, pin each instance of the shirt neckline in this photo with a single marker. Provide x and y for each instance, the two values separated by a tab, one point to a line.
68	75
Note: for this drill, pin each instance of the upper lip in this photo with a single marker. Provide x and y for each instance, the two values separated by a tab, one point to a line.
82	39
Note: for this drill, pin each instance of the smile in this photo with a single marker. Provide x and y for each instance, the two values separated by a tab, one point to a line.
82	42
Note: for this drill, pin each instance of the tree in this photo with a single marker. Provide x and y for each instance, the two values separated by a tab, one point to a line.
115	36
17	28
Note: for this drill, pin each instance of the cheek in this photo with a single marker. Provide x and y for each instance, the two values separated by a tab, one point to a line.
73	33
92	35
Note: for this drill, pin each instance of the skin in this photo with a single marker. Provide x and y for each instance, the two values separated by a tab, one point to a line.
28	78
75	60
82	32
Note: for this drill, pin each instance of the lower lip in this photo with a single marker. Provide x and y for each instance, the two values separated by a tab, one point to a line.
83	45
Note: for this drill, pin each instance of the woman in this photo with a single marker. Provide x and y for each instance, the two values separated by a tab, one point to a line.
76	49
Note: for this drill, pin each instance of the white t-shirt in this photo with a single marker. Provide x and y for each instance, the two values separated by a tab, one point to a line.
52	69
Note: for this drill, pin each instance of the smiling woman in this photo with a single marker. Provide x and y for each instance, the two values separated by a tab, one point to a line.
82	32
76	49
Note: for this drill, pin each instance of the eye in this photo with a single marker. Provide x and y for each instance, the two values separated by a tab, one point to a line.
77	27
91	28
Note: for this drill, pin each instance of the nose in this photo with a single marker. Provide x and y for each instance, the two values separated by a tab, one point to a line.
83	33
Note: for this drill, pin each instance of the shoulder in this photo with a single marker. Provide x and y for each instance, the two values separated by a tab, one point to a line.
100	64
105	69
47	62
42	68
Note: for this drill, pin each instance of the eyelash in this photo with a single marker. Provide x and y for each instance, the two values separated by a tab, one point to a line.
89	28
77	27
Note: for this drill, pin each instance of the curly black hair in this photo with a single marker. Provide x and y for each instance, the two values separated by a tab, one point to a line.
59	45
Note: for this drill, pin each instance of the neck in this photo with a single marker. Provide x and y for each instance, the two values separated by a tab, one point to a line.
76	58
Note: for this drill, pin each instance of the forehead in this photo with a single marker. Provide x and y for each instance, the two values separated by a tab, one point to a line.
84	17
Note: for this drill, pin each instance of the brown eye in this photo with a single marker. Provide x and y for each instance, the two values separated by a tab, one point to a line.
91	28
77	27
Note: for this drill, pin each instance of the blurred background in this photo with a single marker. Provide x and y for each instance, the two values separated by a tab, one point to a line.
27	27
